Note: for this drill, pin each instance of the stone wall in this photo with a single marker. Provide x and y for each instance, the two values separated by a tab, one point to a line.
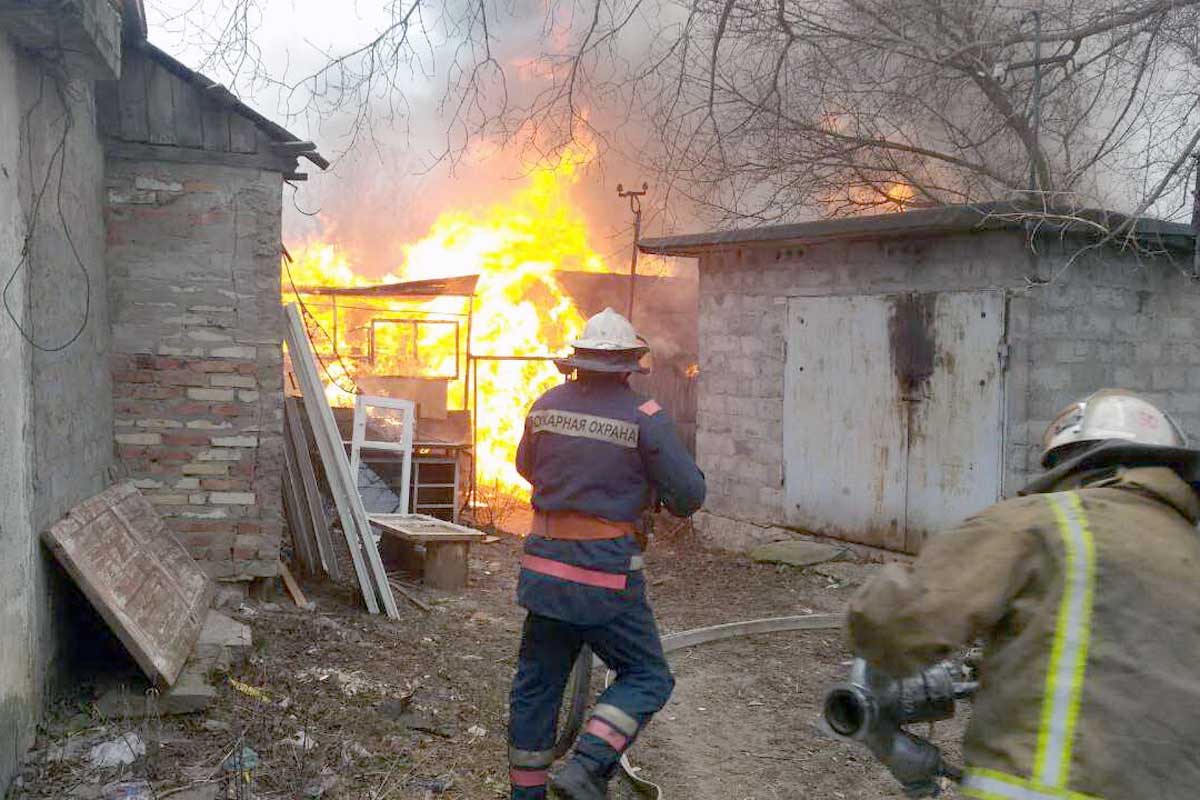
1113	319
193	253
55	406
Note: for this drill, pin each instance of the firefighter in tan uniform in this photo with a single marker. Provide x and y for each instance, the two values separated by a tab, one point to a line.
1086	590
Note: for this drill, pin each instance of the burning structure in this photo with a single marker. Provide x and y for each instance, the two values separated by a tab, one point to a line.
468	326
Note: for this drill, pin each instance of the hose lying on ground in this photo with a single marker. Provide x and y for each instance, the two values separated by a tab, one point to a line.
581	675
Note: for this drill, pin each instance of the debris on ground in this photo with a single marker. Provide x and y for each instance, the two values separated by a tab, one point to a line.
125	749
301	740
324	783
128	790
420	708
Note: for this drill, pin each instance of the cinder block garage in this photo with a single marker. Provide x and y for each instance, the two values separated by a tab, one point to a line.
875	379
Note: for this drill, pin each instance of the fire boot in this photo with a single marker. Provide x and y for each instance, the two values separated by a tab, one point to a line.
575	782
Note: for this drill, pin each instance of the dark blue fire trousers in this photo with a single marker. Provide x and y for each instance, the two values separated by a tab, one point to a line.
629	644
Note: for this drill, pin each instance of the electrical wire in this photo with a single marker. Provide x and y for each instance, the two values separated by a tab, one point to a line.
308	315
58	155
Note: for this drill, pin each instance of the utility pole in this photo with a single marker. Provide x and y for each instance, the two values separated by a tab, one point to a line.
1037	100
1196	219
635	205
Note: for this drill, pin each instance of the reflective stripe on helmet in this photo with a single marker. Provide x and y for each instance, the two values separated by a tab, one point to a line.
988	784
1068	655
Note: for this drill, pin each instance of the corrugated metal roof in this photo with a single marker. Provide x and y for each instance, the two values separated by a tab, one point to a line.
922	222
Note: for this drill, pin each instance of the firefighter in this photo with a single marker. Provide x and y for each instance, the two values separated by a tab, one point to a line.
595	453
1085	592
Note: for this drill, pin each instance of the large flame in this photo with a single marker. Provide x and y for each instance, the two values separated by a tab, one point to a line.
520	310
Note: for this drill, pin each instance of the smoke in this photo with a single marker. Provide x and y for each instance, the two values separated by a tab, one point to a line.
430	138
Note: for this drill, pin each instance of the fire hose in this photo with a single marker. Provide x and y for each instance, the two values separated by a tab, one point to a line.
870	708
579	685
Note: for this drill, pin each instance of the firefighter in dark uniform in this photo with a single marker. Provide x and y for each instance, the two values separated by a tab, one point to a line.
596	454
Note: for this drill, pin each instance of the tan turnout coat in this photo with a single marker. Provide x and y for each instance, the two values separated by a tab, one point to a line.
1089	601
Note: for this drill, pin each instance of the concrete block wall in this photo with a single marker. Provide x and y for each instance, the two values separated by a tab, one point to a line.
1111	319
193	253
55	398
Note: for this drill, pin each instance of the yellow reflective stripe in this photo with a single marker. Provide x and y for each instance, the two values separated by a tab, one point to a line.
990	784
1068	656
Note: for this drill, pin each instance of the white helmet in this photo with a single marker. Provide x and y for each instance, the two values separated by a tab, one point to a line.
1110	414
608	330
609	344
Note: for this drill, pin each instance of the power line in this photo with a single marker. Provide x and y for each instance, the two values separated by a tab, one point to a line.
355	390
59	155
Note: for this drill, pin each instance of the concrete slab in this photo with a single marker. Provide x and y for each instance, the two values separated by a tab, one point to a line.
797	553
190	696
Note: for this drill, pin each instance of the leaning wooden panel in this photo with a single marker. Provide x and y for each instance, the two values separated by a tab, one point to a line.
337	471
328	445
137	575
308	488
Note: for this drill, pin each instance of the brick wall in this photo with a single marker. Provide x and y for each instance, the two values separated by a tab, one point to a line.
193	252
1112	319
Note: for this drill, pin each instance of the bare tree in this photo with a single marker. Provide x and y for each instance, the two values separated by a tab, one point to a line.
767	110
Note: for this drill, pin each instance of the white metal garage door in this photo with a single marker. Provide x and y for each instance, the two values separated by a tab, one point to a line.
893	413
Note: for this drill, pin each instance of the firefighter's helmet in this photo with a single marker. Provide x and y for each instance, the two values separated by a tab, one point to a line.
1106	415
609	344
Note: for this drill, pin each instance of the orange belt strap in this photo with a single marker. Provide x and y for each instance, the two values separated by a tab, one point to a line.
576	526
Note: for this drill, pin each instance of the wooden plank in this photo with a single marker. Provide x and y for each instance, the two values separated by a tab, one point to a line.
293	588
215	122
131	96
337	467
409	596
243	135
189	126
137	575
297	514
160	105
330	448
308	490
187	155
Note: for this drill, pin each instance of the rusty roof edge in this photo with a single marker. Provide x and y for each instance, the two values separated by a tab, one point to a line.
458	286
983	216
227	98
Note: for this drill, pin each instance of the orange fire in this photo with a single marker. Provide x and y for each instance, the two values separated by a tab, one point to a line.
520	309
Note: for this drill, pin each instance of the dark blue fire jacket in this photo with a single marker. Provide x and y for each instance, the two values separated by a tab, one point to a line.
596	447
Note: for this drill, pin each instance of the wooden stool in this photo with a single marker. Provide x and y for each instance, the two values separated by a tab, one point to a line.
447	546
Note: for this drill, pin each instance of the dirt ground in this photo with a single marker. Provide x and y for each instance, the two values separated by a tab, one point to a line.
347	705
